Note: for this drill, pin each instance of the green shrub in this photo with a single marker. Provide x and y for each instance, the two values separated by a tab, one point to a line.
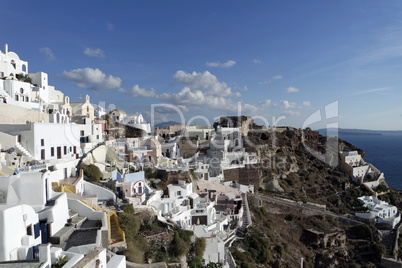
259	248
180	247
199	247
128	222
378	249
149	173
362	231
381	188
91	172
61	260
280	249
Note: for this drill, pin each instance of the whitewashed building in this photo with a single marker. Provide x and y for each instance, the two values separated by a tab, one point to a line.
379	210
44	141
360	171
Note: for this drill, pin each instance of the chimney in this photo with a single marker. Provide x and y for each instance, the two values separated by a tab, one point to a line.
5	49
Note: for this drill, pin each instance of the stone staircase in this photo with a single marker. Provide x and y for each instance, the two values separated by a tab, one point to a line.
75	221
22	150
246	215
389	237
114	233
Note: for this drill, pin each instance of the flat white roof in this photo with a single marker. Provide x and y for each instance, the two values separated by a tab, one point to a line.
345	153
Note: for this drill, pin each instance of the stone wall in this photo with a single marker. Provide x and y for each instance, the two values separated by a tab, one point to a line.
246	176
11	114
163	238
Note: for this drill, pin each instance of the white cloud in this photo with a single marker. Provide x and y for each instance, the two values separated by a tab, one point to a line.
291	90
265	82
276	77
306	103
229	63
203	91
203	81
291	113
266	103
48	53
110	26
368	91
250	108
91	78
196	99
138	92
256	61
97	53
288	105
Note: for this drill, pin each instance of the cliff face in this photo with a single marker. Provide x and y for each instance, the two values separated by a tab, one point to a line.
299	164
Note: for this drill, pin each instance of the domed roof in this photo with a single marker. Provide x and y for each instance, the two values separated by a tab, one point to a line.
13	55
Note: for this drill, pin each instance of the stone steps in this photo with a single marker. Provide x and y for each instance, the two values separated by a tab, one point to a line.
75	221
114	232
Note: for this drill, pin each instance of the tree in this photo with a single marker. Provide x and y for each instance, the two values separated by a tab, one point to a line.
199	247
91	172
24	78
180	246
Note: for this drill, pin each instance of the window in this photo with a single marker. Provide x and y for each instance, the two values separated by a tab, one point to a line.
52	151
87	108
21	90
24	68
27	99
178	193
42	154
16	97
65	149
29	229
13	64
42	142
82	133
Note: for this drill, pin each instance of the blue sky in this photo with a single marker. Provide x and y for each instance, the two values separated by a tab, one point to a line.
271	58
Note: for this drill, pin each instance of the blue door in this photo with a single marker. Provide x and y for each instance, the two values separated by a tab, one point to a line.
44	233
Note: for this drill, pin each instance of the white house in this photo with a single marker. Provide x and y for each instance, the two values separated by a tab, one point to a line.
10	63
136	121
215	246
379	210
83	108
19	232
90	133
38	95
29	214
45	141
360	171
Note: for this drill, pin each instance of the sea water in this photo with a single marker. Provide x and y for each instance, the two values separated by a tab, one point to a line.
384	152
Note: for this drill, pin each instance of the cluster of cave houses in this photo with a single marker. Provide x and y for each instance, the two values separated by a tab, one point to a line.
48	210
